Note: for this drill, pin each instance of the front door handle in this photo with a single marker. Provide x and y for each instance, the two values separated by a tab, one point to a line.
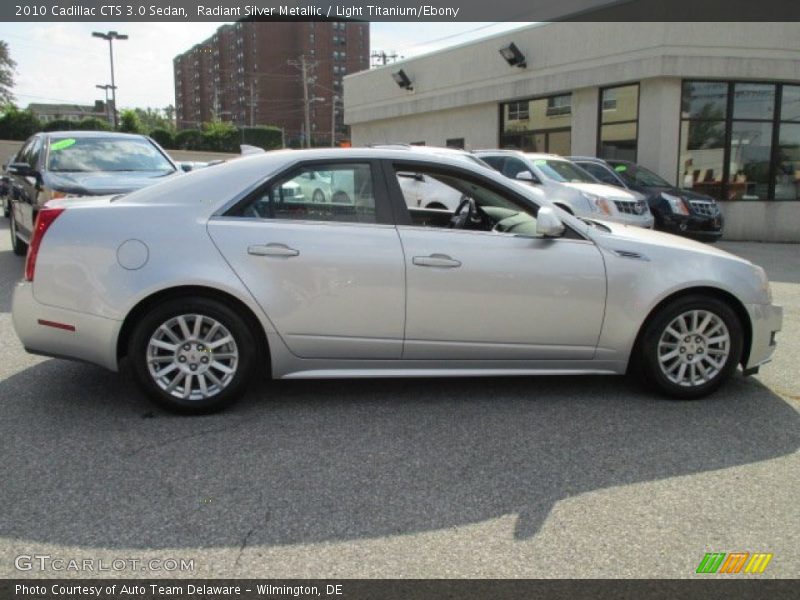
273	250
436	260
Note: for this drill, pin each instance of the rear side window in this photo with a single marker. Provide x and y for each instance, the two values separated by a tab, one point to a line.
339	192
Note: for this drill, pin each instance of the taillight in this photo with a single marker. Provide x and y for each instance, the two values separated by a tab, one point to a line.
44	219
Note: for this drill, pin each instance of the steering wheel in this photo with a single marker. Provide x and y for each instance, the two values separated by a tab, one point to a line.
467	211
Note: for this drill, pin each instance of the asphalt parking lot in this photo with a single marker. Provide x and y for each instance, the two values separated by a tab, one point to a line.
528	477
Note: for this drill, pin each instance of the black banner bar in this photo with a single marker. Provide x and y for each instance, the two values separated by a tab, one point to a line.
401	10
406	589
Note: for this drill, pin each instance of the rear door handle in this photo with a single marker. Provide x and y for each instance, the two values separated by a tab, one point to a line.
273	250
436	260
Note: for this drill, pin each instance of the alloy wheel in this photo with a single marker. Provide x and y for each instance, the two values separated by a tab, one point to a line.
694	348
192	357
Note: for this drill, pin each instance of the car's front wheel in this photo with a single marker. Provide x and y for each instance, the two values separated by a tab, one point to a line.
19	247
192	355
691	346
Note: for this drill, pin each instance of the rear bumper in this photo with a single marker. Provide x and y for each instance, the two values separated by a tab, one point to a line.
767	321
63	333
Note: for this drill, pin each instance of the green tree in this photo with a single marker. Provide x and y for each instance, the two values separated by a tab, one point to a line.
152	118
129	122
18	124
7	67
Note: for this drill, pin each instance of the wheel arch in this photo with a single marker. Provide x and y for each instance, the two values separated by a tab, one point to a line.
717	293
144	305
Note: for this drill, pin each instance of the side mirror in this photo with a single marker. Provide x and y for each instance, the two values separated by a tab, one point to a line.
186	167
526	176
22	169
548	224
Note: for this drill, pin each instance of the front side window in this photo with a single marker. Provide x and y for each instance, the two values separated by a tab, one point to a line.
458	202
341	192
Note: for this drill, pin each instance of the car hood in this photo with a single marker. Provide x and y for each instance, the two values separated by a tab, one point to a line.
618	234
98	183
605	191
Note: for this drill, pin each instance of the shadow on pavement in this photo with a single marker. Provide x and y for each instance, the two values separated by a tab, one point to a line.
86	461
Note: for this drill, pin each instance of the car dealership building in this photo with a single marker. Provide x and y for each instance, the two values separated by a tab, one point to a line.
710	106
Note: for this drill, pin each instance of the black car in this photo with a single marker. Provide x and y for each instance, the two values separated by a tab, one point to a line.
675	210
63	164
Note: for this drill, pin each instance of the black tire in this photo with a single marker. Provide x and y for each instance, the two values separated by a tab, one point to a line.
646	354
245	345
19	247
318	197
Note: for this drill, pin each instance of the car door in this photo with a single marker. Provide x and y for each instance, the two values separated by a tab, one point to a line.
24	188
31	187
485	294
329	275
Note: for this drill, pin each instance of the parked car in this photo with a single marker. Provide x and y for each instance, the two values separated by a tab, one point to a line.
5	188
206	279
571	188
63	164
675	210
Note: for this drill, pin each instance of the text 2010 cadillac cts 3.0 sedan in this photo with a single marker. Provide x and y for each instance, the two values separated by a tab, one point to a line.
204	280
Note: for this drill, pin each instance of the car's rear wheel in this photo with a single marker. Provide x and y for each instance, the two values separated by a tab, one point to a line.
19	247
192	355
691	347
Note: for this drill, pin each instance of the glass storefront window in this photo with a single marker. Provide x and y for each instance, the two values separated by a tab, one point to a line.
751	144
619	120
753	101
740	140
704	100
538	125
790	105
787	176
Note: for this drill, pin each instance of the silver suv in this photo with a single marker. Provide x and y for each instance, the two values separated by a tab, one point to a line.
570	187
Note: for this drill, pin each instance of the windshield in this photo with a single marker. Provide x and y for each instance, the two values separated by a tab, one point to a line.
562	171
77	155
635	175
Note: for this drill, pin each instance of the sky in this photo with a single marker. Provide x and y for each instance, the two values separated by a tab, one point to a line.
62	62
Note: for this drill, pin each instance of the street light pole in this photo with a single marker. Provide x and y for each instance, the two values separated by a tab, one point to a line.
106	87
110	37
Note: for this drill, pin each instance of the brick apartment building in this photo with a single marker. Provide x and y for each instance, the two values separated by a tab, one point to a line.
249	74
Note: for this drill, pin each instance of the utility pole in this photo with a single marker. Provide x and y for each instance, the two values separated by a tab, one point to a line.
381	59
334	99
306	104
252	101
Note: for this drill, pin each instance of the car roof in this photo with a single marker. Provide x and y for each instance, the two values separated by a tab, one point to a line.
93	134
546	155
593	159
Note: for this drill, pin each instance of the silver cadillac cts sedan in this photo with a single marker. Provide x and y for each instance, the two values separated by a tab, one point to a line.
202	281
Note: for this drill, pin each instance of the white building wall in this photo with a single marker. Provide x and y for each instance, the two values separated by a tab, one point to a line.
659	126
584	121
478	125
457	91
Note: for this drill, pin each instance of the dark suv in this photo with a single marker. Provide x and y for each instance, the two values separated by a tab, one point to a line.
675	210
63	164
